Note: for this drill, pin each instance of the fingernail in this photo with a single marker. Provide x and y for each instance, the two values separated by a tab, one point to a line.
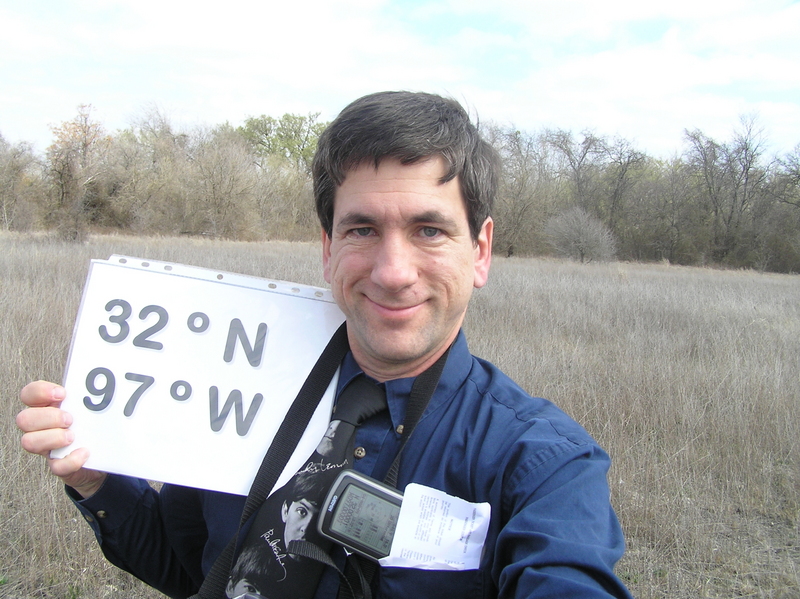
59	392
67	419
70	436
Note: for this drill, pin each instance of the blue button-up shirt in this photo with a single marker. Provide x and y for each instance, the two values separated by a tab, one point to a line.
482	438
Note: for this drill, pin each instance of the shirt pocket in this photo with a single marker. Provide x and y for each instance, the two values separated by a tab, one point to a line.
402	583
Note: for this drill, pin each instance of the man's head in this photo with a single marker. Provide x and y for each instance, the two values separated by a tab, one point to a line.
249	573
409	127
301	506
404	187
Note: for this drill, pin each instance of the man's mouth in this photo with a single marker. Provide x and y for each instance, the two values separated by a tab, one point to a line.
389	310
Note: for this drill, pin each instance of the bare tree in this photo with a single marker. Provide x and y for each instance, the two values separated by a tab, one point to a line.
20	183
224	186
528	190
788	179
666	216
578	235
619	175
285	201
77	161
581	161
730	179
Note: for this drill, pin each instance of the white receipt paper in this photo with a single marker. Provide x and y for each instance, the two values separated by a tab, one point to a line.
436	531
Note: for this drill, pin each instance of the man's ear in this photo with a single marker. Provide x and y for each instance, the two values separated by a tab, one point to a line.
326	256
284	511
483	253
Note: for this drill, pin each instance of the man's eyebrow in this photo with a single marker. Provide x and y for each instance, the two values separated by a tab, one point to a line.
356	218
433	217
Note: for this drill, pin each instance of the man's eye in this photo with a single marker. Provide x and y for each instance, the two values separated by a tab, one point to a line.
303	512
362	231
430	231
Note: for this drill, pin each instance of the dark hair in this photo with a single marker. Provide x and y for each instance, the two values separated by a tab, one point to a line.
251	565
310	486
409	127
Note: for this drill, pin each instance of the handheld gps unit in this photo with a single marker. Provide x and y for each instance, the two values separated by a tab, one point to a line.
361	514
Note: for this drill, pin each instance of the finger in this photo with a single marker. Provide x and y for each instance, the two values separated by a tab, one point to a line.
42	442
72	471
42	393
69	464
39	419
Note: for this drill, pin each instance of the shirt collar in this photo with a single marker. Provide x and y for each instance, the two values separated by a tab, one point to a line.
456	370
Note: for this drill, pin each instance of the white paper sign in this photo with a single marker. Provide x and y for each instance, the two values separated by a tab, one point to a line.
436	531
183	375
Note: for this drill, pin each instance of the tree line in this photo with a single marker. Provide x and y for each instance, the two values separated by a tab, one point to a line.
586	196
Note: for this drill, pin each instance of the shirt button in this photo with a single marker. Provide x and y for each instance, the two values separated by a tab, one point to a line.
360	452
101	514
399	429
88	518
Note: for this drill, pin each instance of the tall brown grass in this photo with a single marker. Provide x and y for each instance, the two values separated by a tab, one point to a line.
690	378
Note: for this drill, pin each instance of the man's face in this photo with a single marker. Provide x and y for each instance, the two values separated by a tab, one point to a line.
325	446
240	588
297	516
402	264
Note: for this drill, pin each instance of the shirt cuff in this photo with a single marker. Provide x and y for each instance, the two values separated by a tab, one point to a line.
112	504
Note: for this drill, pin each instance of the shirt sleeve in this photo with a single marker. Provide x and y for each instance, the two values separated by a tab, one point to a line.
562	538
126	517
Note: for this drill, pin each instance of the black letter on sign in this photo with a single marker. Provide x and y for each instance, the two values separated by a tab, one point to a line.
107	390
143	338
120	319
145	381
254	353
234	401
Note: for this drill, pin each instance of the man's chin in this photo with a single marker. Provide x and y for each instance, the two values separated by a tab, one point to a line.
397	350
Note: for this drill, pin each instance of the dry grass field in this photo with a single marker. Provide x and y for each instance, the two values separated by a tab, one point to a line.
690	378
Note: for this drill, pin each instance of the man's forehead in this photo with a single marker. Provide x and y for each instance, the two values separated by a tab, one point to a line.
391	175
436	161
377	162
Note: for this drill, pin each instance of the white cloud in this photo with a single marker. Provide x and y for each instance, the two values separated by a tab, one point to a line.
642	70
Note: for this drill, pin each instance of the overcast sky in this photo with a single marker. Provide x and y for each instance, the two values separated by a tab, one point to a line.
642	70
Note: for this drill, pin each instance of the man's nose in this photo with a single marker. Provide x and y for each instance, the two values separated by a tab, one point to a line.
395	266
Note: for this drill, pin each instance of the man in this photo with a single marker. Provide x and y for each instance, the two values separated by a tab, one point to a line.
404	186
